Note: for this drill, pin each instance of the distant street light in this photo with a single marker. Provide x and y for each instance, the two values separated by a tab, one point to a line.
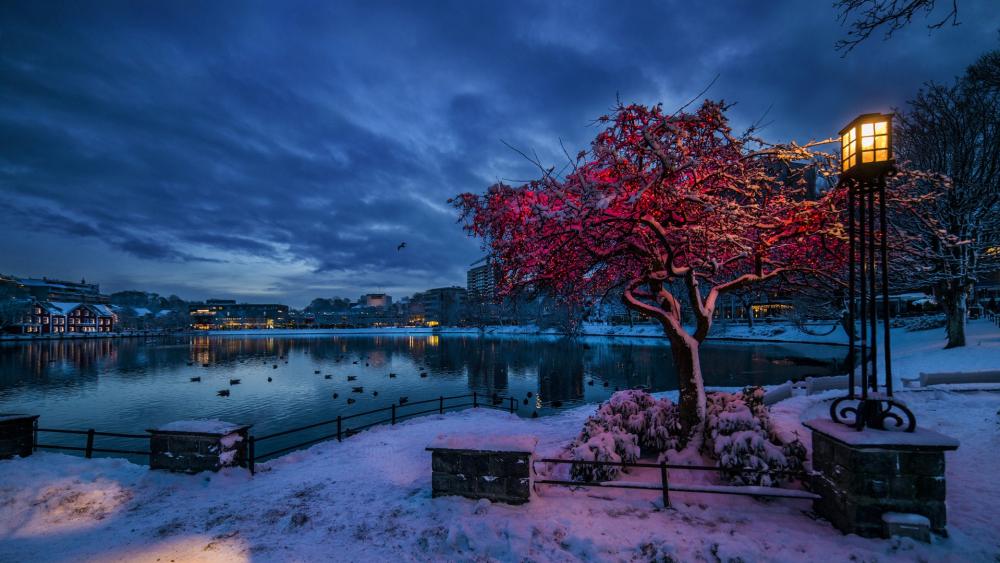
865	162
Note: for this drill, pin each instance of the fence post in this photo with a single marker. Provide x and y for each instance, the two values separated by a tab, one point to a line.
89	453
441	403
251	454
394	413
512	405
475	400
664	484
339	439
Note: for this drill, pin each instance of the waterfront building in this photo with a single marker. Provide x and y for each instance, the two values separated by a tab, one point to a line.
227	314
439	306
44	317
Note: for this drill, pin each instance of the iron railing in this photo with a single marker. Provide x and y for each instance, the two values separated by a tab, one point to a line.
342	431
88	449
442	404
665	486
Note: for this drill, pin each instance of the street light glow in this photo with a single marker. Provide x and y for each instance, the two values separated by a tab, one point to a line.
865	141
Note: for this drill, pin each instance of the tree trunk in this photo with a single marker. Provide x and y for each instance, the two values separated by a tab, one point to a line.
955	296
687	360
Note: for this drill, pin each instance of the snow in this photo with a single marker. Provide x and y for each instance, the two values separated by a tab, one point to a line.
488	443
905	518
369	497
919	438
201	427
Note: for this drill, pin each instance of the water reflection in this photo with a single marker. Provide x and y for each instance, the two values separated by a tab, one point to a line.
131	384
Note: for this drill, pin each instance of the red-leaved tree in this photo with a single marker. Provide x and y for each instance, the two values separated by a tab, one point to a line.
672	210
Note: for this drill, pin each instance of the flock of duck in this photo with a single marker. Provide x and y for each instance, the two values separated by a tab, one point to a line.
360	388
350	400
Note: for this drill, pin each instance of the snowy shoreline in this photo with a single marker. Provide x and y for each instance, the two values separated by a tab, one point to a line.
370	496
776	332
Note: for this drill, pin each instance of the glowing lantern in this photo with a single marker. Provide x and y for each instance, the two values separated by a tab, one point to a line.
866	145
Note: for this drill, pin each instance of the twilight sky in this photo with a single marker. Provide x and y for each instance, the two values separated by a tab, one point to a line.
282	150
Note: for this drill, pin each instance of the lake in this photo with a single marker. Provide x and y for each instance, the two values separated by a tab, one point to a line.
131	384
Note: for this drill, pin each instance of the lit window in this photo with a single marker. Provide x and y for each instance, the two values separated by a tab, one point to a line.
865	141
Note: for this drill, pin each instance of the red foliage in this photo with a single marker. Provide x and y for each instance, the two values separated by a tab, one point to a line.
660	198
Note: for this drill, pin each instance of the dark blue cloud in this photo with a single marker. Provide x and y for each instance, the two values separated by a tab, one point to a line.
285	149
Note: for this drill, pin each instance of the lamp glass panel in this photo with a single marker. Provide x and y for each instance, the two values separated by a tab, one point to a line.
881	141
867	143
881	155
881	127
867	129
867	156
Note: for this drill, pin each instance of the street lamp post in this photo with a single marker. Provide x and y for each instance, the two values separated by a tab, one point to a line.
866	160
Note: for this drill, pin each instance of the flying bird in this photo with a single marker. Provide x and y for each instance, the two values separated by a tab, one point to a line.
401	246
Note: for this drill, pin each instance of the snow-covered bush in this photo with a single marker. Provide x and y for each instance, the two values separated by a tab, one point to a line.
738	434
926	322
602	444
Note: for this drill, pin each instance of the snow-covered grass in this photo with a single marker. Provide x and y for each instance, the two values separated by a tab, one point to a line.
368	498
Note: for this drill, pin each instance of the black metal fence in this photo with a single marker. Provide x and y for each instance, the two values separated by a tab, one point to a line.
664	486
442	404
344	429
89	448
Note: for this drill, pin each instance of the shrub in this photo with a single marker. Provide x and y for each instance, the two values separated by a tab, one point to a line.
600	443
738	435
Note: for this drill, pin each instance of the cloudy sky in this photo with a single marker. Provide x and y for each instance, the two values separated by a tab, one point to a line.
282	150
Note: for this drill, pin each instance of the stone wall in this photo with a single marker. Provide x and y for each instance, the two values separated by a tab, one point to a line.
494	475
860	478
193	452
17	435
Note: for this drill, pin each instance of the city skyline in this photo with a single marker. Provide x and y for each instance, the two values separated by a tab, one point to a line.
284	153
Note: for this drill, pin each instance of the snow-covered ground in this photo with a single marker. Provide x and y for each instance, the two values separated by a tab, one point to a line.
368	498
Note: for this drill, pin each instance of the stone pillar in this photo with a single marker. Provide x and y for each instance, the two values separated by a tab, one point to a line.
863	475
192	446
494	468
17	435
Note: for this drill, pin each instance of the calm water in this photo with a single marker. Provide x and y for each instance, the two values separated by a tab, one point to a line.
128	385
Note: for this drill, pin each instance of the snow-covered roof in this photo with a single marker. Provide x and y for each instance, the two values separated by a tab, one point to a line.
65	307
102	309
164	313
141	311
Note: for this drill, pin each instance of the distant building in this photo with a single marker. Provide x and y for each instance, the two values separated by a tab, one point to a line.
439	306
481	281
375	300
44	317
45	289
227	314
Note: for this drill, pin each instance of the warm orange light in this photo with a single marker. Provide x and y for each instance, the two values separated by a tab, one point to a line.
865	141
